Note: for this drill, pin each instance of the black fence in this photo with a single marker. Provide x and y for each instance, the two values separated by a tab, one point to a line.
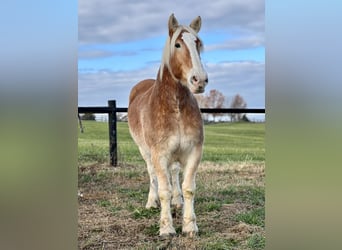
112	110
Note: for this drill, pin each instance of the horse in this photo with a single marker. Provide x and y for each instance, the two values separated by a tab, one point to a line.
166	123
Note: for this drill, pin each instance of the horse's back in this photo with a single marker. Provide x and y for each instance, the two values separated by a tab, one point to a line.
137	101
140	88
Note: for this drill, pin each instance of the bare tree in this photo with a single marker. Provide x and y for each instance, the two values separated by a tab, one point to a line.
237	102
215	100
202	101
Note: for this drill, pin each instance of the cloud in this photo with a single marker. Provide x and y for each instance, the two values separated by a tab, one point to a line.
113	21
230	78
96	87
92	54
246	78
98	53
237	44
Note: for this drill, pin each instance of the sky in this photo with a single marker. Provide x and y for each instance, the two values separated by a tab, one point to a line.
121	43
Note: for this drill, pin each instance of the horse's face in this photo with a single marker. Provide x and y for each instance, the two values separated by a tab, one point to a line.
185	61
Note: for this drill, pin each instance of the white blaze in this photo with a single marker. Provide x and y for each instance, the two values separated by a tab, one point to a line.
197	67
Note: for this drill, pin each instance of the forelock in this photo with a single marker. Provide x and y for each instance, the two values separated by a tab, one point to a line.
176	34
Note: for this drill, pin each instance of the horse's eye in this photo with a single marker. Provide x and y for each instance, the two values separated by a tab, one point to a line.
177	45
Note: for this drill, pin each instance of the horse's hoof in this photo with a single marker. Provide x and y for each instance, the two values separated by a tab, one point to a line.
167	232
191	234
152	205
167	236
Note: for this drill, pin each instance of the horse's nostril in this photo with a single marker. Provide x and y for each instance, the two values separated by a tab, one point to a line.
194	79
207	80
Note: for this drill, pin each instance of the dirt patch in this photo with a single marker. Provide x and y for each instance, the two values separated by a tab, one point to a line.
112	214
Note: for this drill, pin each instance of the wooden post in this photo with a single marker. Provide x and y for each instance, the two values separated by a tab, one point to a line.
80	122
112	133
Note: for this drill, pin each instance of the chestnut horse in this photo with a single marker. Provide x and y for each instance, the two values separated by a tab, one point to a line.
165	122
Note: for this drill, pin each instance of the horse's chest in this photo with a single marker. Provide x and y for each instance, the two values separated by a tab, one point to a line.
185	137
177	130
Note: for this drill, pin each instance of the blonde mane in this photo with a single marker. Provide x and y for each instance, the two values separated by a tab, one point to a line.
170	47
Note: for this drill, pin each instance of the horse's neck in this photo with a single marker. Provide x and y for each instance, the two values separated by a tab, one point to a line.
171	92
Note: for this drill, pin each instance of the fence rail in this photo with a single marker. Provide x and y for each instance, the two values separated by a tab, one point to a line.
111	110
106	110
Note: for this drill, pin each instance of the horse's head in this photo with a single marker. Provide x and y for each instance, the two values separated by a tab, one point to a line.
182	55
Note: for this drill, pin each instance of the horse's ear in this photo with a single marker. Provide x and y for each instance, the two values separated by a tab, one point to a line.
173	24
196	24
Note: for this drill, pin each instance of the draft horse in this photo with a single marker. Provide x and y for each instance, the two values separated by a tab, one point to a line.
165	122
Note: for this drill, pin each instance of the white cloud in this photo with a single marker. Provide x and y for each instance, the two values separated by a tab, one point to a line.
238	44
98	53
230	78
246	78
109	21
95	88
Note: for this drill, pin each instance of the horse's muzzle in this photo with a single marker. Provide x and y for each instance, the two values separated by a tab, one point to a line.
198	83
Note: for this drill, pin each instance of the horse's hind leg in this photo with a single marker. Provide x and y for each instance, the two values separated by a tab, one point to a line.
177	200
153	200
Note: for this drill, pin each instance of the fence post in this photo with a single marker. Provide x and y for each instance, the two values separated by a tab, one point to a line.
112	133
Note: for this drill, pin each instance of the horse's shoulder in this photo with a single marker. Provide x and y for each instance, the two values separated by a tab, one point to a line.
140	88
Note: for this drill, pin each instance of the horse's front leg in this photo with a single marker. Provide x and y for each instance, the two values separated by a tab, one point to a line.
189	185
164	191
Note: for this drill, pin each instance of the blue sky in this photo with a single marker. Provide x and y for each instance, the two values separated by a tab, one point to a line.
121	42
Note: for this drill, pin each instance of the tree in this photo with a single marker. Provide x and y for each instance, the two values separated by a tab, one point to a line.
238	102
201	100
202	103
214	99
88	116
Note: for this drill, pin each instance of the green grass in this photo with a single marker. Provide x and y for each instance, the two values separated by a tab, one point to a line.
224	142
229	201
221	244
256	242
140	213
152	230
252	195
95	178
253	217
104	203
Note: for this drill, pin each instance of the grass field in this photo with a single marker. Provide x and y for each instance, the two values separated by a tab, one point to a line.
224	142
229	202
